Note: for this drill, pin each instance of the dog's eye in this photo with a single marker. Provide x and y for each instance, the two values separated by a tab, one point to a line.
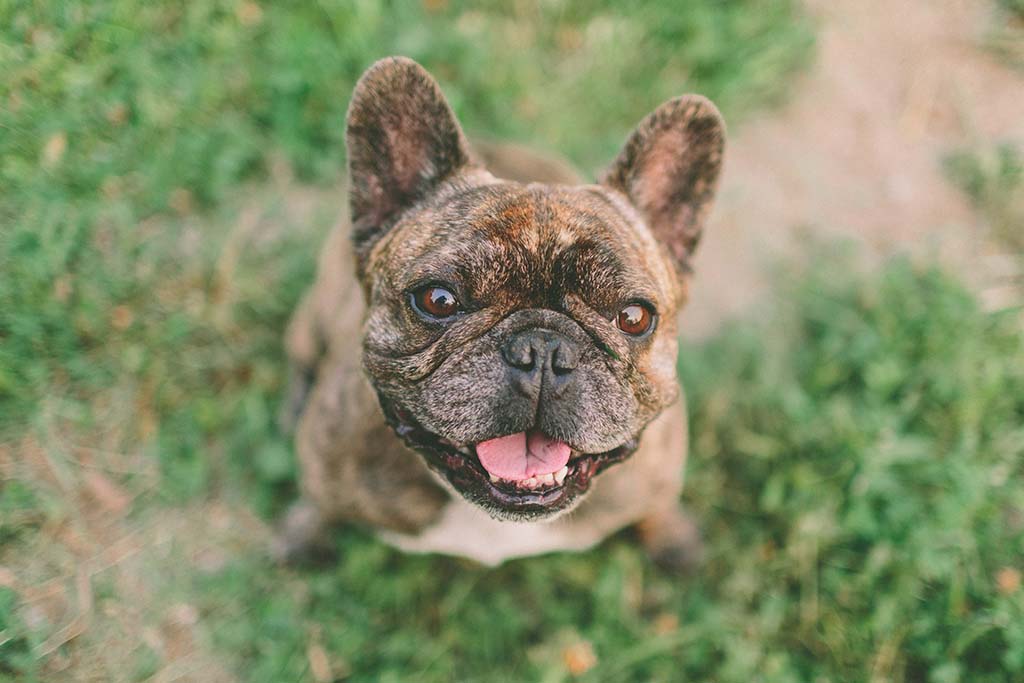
435	301
635	319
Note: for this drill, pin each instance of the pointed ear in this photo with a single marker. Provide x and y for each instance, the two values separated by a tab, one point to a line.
403	140
669	170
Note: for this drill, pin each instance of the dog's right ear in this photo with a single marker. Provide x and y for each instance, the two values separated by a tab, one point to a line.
669	170
403	140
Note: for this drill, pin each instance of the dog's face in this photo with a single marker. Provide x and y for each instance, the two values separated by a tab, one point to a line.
520	337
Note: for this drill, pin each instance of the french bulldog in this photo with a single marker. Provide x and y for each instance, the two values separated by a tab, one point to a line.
486	363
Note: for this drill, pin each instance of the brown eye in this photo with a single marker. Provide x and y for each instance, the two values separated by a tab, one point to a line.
435	301
635	319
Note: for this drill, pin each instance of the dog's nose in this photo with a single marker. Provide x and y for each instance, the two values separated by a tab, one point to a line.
535	355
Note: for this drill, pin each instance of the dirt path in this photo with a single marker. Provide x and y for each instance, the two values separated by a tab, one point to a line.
857	151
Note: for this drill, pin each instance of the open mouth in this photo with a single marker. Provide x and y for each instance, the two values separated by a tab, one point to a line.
523	474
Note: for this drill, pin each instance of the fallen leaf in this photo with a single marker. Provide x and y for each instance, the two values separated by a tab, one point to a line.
121	317
249	13
579	657
1008	580
53	150
117	114
319	664
666	623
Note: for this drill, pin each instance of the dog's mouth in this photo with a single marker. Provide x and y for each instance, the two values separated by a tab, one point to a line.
523	475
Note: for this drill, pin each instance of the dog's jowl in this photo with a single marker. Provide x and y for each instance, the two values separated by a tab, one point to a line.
486	364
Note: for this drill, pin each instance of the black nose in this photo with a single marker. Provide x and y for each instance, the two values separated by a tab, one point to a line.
540	357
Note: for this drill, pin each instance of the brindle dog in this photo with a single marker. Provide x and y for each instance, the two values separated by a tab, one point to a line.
491	342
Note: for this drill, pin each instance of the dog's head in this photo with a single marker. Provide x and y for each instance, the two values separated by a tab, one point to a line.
520	337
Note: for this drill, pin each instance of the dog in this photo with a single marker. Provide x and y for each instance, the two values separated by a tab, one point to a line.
486	364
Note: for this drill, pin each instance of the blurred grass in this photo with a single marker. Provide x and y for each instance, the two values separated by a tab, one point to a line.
116	112
157	225
1014	6
993	179
859	473
1005	37
857	457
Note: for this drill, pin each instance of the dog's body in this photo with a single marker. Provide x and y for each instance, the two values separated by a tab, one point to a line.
354	468
528	365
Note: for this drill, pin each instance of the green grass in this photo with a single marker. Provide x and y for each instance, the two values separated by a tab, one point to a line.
858	468
15	640
993	179
859	473
157	226
116	113
1005	37
1016	7
856	457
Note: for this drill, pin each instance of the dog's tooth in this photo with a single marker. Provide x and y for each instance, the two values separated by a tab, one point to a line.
561	474
548	479
529	483
494	479
464	450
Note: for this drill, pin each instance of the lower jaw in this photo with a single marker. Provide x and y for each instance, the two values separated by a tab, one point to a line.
511	499
505	499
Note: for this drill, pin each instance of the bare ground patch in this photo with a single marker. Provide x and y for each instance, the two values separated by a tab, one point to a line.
857	151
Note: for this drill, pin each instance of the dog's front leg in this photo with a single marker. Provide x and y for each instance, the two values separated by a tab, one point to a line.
672	539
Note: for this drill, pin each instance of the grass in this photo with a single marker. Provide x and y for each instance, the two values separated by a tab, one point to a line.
863	500
1016	7
116	113
859	474
166	173
1005	38
993	179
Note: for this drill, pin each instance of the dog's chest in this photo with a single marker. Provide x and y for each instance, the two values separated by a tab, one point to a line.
465	530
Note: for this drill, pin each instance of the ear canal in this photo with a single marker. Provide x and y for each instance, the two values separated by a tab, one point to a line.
669	169
403	140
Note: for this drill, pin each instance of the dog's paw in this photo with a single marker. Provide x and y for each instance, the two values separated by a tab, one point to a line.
302	539
673	541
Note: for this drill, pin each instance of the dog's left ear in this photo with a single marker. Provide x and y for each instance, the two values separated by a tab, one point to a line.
403	140
669	170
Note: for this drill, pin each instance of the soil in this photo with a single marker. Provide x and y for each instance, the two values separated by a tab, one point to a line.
857	151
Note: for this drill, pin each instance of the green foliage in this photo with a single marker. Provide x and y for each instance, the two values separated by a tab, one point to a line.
116	113
856	456
864	454
16	659
857	466
994	181
17	505
140	310
1014	6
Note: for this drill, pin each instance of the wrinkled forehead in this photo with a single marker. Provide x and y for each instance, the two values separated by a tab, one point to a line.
536	242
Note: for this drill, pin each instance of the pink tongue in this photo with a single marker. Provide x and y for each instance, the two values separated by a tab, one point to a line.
521	456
